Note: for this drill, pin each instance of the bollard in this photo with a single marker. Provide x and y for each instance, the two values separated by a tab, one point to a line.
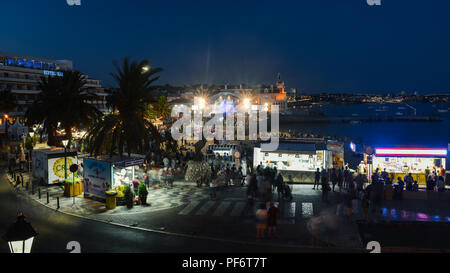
48	198
39	192
57	202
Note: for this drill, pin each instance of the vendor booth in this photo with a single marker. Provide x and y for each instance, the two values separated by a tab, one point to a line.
297	162
398	162
104	174
49	164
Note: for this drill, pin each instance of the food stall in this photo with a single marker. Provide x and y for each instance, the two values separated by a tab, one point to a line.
401	161
297	162
48	164
110	173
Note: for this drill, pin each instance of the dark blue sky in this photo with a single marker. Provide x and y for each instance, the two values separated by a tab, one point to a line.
316	45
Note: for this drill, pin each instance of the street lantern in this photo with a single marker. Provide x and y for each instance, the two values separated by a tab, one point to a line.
29	151
20	236
65	142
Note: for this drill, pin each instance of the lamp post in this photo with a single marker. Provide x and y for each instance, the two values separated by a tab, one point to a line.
6	125
65	142
29	151
20	236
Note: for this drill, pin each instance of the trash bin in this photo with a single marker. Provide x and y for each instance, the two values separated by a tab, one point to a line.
110	199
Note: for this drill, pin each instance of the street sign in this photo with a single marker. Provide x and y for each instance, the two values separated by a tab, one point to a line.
73	168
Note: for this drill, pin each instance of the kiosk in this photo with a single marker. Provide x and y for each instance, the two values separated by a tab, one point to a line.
48	164
398	162
108	173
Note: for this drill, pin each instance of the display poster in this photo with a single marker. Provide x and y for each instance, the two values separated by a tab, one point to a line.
97	177
56	170
39	164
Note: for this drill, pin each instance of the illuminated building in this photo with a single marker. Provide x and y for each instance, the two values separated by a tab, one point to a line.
22	74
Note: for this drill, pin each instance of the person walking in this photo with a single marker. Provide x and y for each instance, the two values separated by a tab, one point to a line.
409	182
279	185
348	206
316	179
325	185
365	206
340	178
430	183
378	191
272	216
440	184
261	221
334	178
146	180
339	202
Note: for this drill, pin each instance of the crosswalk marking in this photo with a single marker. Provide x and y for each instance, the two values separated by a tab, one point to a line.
237	209
189	208
290	211
222	208
204	209
307	209
287	210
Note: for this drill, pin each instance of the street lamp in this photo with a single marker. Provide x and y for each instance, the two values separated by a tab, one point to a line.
20	236
65	142
6	125
29	151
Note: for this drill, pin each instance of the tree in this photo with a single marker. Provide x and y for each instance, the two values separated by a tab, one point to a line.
8	101
7	104
159	109
128	127
62	100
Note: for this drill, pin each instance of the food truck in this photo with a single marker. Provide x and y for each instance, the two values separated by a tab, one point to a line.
48	164
106	173
398	162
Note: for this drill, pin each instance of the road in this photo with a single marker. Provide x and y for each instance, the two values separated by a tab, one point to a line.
56	230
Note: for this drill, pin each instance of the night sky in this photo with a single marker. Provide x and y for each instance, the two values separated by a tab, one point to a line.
316	45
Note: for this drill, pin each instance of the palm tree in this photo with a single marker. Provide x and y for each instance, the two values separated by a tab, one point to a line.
8	101
62	100
128	127
159	109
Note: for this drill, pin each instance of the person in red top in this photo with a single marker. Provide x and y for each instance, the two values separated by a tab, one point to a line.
442	172
272	215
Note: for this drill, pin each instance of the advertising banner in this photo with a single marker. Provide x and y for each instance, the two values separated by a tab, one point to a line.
97	177
56	169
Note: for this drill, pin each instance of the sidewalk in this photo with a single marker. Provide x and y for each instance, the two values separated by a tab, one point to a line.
166	204
159	198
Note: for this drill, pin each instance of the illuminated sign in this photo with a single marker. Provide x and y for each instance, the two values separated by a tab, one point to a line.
27	63
410	152
53	73
352	146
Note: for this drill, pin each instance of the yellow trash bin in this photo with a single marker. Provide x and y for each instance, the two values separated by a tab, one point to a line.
111	199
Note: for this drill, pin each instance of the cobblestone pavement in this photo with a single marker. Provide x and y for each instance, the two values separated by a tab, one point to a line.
159	198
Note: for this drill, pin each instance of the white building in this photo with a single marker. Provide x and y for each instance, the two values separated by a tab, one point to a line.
22	74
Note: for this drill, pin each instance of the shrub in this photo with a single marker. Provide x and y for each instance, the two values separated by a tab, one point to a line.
142	190
128	194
